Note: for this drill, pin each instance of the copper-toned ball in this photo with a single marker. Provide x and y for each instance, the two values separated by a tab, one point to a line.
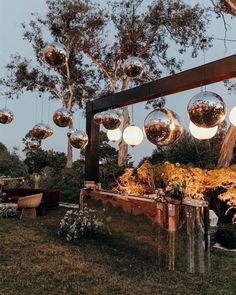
40	131
34	144
206	109
49	131
62	117
98	117
78	139
55	54
133	67
111	120
162	127
6	116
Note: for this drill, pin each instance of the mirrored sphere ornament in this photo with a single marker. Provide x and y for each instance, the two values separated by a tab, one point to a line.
163	127
206	109
55	54
78	139
40	131
133	67
49	131
98	118
133	135
202	133
114	135
6	116
111	120
159	102
34	144
62	117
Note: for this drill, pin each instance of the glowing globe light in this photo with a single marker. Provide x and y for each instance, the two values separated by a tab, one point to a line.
202	133
232	116
133	135
114	135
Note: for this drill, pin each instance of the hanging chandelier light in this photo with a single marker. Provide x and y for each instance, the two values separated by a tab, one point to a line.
6	116
114	135
55	54
202	133
206	109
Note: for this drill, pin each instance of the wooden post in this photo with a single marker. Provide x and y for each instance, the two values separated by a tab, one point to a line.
92	149
206	226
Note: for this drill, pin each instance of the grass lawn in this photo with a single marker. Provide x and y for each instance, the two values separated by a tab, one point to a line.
34	260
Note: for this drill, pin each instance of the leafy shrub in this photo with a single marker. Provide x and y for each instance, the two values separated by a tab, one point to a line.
79	223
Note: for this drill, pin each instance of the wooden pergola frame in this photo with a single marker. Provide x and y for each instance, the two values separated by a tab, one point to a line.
213	72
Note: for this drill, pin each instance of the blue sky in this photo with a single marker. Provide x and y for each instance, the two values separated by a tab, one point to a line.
13	13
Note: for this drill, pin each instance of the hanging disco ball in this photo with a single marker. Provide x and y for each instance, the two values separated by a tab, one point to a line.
40	131
98	117
133	67
6	116
55	54
62	117
111	120
206	109
162	127
78	139
69	132
34	144
49	131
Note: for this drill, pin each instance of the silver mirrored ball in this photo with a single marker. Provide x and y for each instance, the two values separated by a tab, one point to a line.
133	67
62	117
111	120
40	131
54	54
206	109
6	116
78	139
162	127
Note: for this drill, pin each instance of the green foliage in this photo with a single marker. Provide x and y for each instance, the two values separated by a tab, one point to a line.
10	164
191	151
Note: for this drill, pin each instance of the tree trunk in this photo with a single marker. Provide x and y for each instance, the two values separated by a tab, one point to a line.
231	5
226	152
69	157
123	147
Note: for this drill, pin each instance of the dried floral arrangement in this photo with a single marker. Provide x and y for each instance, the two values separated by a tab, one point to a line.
174	180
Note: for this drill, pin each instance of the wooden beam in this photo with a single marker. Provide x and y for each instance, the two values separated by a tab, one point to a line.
213	72
92	149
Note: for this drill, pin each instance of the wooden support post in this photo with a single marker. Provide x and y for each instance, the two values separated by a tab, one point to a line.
92	149
206	226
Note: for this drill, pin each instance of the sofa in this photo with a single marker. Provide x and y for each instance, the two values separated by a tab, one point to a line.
50	197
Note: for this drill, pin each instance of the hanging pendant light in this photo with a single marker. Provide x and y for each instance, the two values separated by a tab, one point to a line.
114	135
55	54
6	116
132	134
206	109
202	133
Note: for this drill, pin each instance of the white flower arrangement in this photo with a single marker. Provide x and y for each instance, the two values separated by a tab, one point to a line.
8	211
79	223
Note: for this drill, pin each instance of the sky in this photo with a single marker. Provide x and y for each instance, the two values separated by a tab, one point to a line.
28	109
